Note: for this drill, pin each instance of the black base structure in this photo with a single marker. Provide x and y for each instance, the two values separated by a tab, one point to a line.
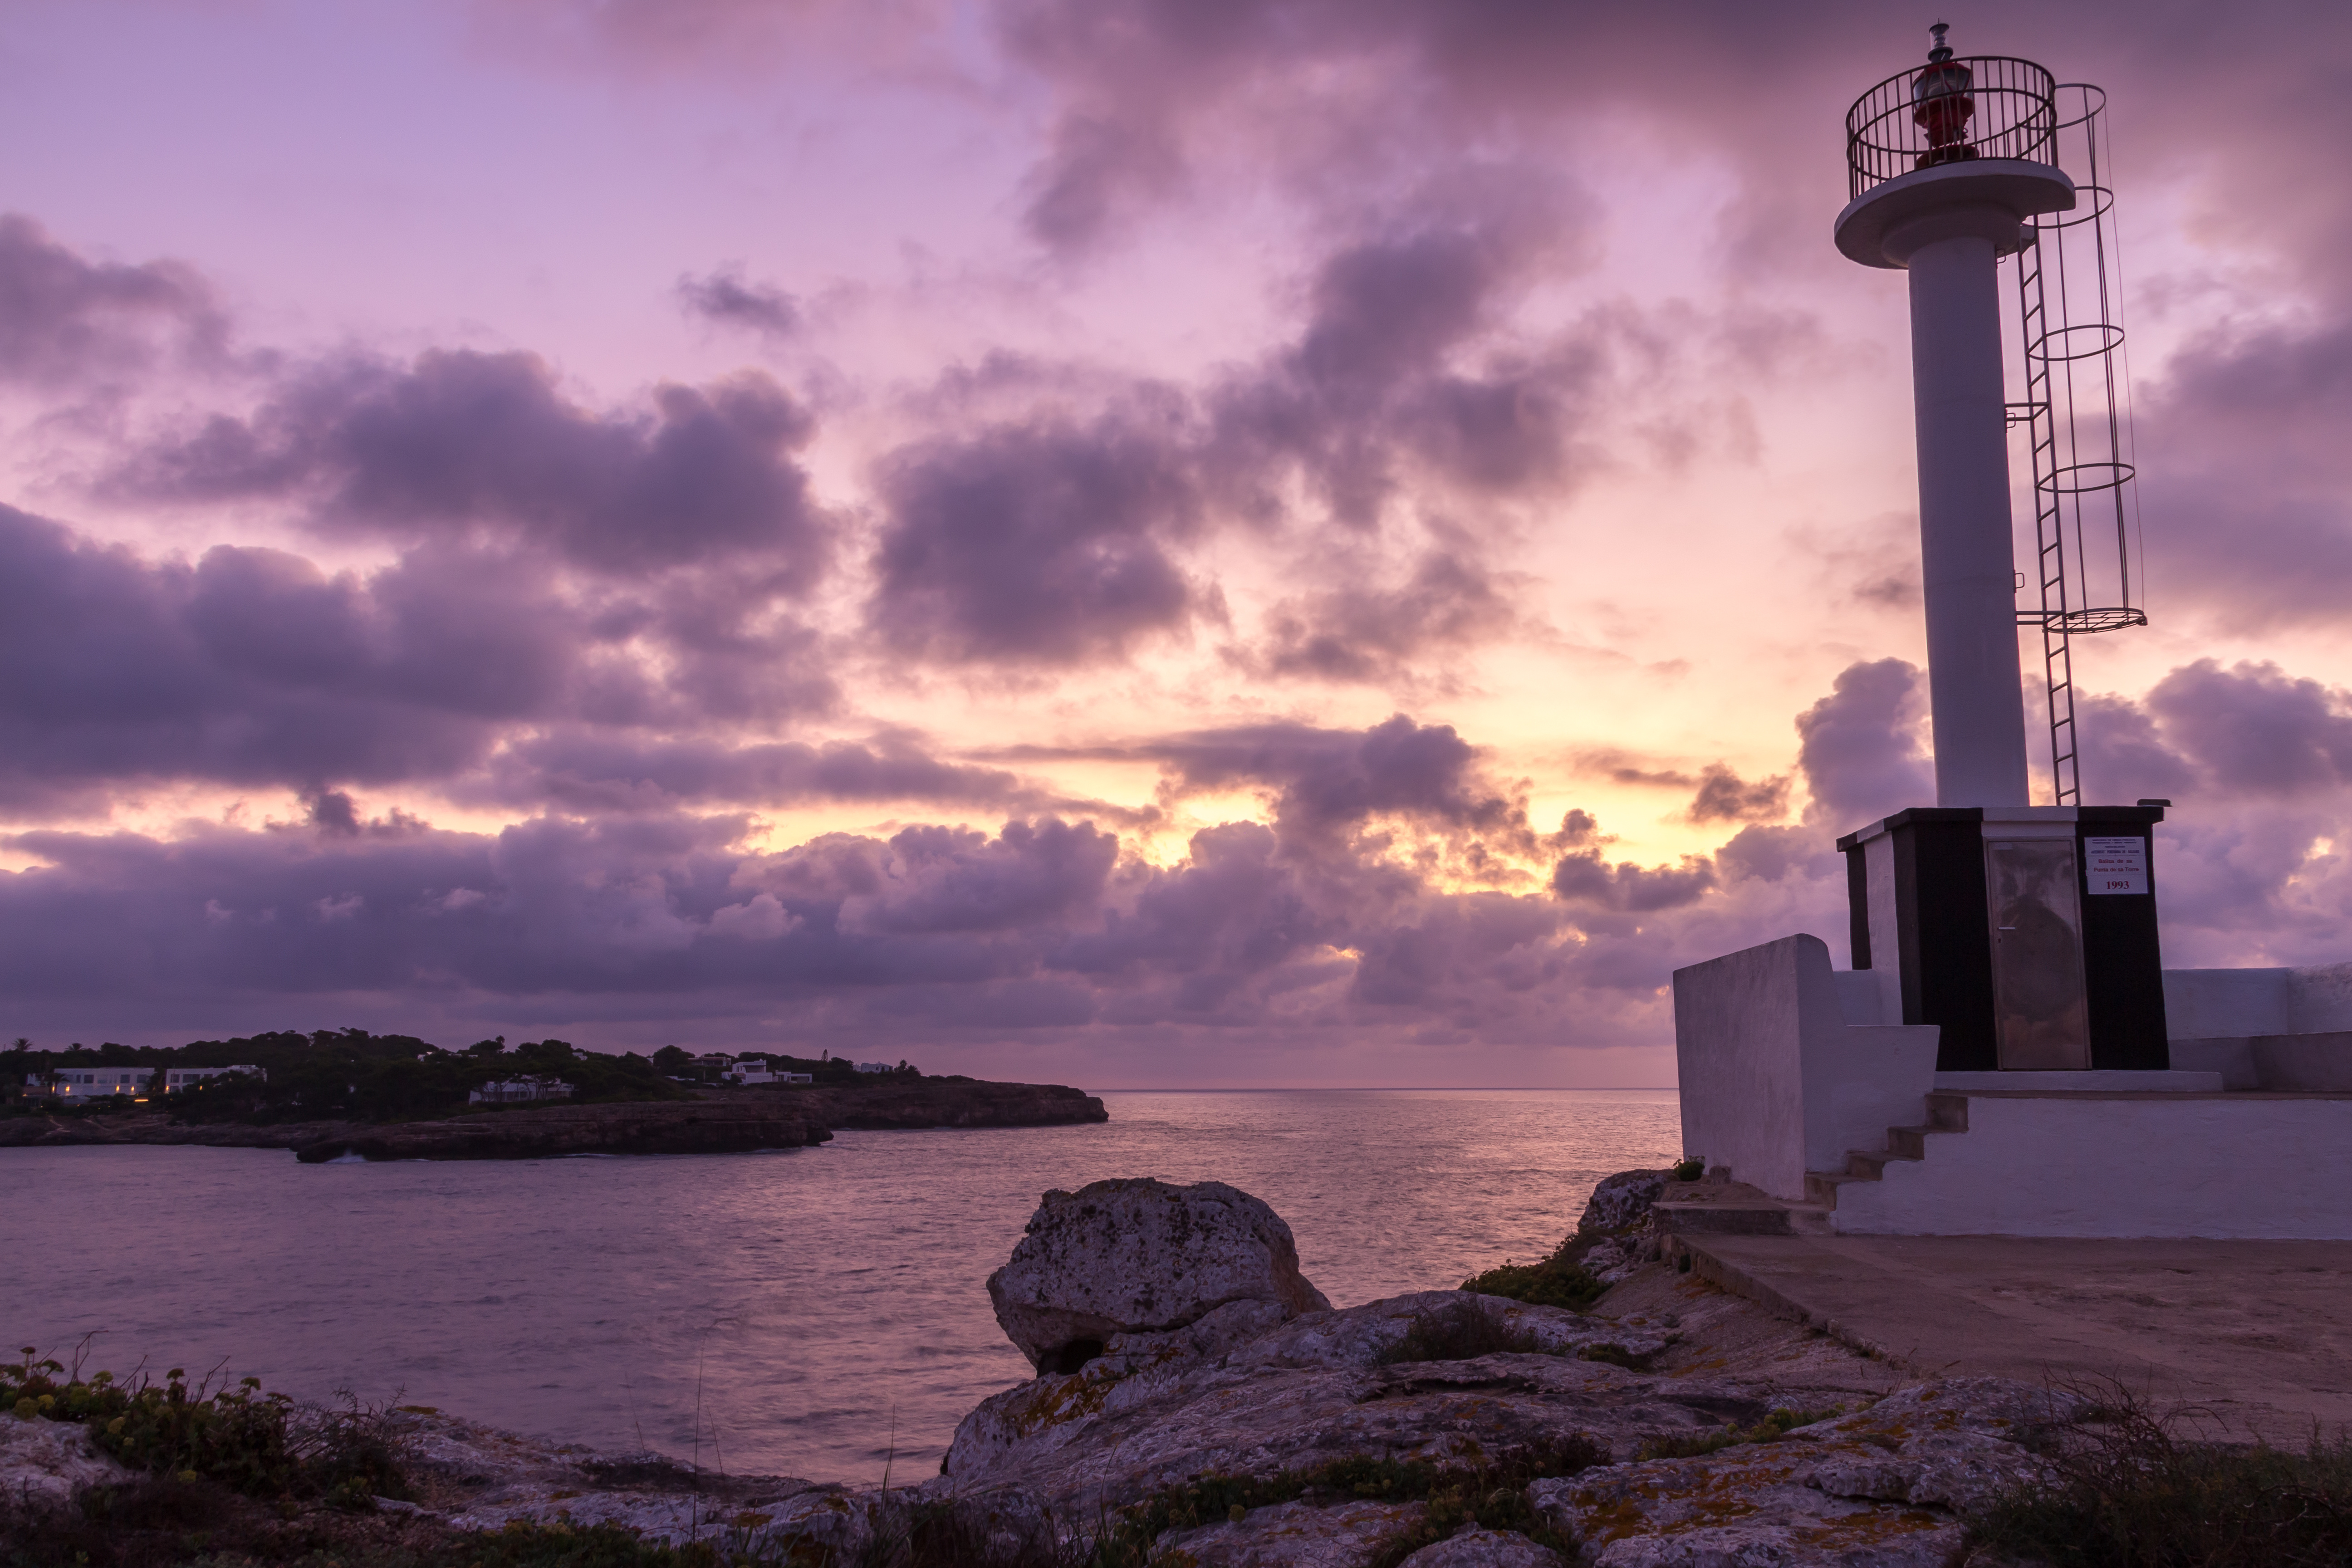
2028	935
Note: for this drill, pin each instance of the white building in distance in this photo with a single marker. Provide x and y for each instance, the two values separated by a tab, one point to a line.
177	1078
518	1091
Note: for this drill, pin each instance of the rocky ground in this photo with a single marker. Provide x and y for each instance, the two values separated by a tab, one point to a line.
1201	1404
719	1121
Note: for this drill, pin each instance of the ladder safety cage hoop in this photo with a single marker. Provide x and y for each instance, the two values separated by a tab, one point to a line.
2076	415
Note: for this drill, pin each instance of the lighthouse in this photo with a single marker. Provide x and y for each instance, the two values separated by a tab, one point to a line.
1945	204
2026	932
2007	1054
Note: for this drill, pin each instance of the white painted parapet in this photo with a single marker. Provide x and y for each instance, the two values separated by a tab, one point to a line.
1774	1079
2286	1029
2096	1165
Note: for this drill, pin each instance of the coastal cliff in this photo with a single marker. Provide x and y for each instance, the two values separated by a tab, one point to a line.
729	1121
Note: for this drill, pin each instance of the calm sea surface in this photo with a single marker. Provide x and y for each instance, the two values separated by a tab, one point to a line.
816	1311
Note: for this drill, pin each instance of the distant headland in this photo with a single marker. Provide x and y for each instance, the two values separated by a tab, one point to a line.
348	1094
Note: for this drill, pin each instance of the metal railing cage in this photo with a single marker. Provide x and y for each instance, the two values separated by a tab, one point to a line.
2074	416
1985	106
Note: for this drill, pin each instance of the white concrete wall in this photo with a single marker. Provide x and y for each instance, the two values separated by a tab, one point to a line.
2213	1004
1860	1080
2311	1063
1737	1061
2081	1166
2319	1000
1774	1080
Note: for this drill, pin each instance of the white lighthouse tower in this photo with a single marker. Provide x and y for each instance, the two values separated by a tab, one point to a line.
1952	191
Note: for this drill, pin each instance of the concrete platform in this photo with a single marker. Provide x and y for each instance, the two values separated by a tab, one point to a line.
2258	1334
2085	1082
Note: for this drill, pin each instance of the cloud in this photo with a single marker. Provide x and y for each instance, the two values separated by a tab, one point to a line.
467	445
254	666
1051	538
1859	748
1373	634
592	771
1047	544
65	320
1346	911
728	299
1724	796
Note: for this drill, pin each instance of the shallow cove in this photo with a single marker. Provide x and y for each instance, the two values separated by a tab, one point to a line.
822	1307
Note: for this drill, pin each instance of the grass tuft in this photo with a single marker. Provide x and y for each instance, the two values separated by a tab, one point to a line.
1556	1281
1771	1429
1461	1332
2126	1492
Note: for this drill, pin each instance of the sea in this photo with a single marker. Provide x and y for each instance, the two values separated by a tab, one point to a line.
817	1312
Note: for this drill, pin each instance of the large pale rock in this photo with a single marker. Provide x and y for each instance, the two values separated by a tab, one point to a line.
1133	1257
43	1461
1152	1413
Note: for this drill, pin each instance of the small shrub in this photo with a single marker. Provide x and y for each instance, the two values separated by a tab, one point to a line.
2125	1491
1771	1429
1689	1168
1474	1487
1460	1333
260	1445
1556	1281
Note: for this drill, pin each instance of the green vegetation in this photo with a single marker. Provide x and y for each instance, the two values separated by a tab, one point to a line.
1689	1168
350	1075
1461	1333
1472	1487
2124	1492
250	1442
1771	1429
1559	1280
234	1477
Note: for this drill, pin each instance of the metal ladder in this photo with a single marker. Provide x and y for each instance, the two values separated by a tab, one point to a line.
2050	535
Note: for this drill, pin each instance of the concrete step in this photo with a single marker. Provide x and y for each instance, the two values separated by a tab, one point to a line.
1821	1186
1873	1167
1765	1217
1810	1219
1947	1112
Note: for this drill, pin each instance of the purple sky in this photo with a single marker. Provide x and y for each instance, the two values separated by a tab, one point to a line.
1129	541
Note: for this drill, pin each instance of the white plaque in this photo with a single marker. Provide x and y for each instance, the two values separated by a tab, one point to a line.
2115	864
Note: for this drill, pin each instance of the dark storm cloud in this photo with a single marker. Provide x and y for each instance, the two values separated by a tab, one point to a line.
1585	878
1378	634
252	665
1859	747
731	299
1054	539
1331	91
1383	382
1047	544
463	444
255	667
2244	479
65	319
1724	796
595	772
1327	781
2254	730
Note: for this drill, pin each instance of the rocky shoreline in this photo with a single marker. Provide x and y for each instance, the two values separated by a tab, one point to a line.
730	1122
1198	1404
